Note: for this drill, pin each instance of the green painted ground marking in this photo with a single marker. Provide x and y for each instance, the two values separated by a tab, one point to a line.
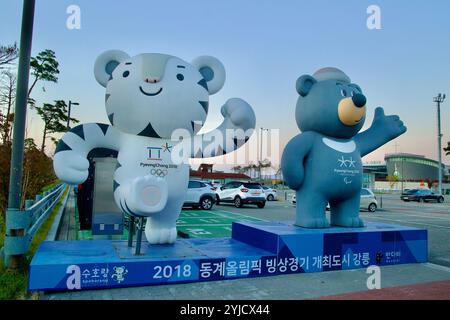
214	223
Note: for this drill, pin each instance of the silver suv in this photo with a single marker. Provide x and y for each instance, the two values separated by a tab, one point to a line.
199	194
240	193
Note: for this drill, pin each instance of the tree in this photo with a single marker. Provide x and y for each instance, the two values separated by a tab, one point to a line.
44	67
237	169
392	180
447	149
8	54
7	99
54	117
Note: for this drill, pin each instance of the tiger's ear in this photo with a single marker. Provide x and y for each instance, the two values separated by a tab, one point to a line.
106	63
212	71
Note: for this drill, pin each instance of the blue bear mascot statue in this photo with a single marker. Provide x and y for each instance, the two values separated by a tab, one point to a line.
148	98
323	163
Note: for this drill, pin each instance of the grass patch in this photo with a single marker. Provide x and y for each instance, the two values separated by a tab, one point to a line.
13	283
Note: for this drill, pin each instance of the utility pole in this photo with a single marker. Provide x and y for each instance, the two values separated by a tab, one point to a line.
439	99
260	149
68	112
20	111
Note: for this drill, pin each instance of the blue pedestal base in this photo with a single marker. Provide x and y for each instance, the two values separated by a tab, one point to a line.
256	249
316	250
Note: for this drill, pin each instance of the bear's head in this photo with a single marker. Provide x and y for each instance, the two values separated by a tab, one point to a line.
153	94
330	104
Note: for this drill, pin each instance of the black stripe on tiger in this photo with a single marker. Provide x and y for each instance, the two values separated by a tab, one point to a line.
203	83
115	185
79	131
239	142
103	127
205	105
62	146
149	132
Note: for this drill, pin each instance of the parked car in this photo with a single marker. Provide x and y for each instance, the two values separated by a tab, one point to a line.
294	199
368	200
212	185
241	193
271	194
422	195
200	194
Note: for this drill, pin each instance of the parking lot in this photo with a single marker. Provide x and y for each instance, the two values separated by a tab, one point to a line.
217	223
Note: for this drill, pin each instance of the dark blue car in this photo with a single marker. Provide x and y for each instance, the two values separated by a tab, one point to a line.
421	195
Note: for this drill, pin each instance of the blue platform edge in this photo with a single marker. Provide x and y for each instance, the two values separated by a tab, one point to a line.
256	249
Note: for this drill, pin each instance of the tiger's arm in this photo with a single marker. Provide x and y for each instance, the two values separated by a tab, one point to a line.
237	127
70	161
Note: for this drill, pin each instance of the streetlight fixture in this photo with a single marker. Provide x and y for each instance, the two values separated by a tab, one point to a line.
439	99
68	112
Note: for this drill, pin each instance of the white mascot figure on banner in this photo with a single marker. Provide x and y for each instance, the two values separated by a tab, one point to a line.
149	97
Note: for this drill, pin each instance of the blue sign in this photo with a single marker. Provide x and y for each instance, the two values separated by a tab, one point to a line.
256	249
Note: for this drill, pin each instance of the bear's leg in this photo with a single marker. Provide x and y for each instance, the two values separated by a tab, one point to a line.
310	211
346	213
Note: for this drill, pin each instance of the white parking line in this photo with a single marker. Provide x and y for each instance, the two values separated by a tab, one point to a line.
411	222
426	217
206	225
236	214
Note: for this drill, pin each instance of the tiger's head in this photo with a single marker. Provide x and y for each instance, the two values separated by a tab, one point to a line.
153	94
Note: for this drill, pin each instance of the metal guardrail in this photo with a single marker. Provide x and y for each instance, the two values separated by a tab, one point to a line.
22	225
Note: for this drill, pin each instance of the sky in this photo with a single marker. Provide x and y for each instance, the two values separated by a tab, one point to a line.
265	45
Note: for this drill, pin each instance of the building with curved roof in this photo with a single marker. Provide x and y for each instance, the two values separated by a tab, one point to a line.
412	167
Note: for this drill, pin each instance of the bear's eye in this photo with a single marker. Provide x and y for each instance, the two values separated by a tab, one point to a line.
126	74
343	92
180	77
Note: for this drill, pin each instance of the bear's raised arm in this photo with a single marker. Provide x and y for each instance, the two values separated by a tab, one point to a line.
70	161
383	129
292	159
237	127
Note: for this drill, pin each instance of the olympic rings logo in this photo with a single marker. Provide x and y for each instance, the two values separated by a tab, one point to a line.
159	172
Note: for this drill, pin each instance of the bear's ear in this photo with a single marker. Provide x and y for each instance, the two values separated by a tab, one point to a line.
212	71
304	84
106	63
356	87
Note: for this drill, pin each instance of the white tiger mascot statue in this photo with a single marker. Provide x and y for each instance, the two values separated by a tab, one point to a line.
148	98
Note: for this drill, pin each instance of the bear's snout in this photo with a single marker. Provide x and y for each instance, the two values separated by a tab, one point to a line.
351	110
359	100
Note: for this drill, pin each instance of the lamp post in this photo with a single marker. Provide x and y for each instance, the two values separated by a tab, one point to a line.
439	99
68	112
260	149
20	111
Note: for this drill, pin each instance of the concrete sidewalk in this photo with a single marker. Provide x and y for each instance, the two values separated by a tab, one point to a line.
294	286
437	290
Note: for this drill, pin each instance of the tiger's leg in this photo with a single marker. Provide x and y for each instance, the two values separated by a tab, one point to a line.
141	196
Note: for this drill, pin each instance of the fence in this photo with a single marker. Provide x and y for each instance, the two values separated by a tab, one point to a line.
22	225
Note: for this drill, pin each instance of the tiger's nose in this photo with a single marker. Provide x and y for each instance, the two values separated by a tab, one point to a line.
359	100
152	79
